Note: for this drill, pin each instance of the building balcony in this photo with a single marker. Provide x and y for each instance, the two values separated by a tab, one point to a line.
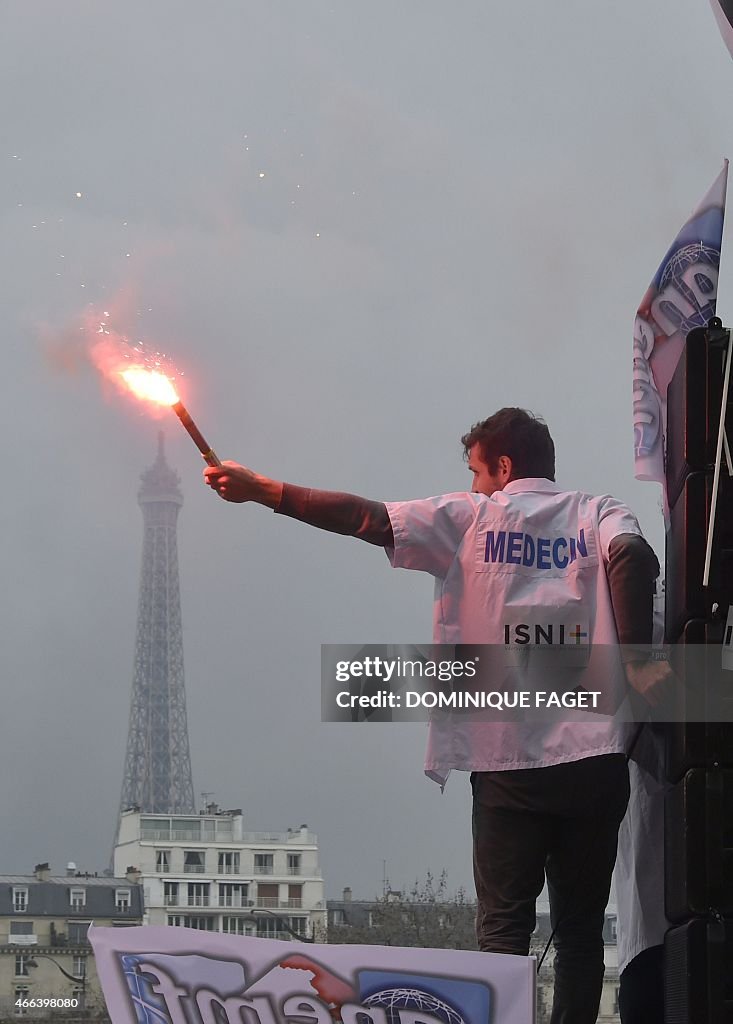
187	835
238	902
193	869
297	838
198	901
22	940
170	901
278	904
264	869
294	870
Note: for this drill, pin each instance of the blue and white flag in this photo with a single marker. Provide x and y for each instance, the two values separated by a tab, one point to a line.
723	11
682	296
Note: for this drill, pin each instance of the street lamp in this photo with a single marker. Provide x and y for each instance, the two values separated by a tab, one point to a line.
78	980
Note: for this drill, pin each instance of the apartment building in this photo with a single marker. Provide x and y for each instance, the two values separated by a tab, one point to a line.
44	950
207	871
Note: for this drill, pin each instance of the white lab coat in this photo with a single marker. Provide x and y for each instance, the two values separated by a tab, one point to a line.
530	554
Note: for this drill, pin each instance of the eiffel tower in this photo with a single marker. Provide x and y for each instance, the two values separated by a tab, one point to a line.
157	777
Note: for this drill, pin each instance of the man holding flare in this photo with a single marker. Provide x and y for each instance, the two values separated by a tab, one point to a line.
548	795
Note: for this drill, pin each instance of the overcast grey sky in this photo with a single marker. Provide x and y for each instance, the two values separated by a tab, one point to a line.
358	228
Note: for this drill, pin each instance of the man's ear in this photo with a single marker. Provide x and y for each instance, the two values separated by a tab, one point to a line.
504	468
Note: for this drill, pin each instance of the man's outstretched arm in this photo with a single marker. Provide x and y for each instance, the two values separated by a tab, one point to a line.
346	514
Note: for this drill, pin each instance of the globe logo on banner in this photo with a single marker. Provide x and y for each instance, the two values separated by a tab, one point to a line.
425	999
395	999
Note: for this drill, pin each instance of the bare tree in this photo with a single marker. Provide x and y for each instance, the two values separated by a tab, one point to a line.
425	916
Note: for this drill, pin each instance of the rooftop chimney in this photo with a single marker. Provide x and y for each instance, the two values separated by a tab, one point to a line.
42	872
133	874
347	894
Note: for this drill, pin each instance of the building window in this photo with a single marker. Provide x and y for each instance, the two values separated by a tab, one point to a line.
79	966
78	933
193	862
198	894
237	926
170	894
123	899
298	925
295	896
263	863
20	928
232	895
77	898
267	895
21	993
203	924
228	862
21	965
162	860
20	900
271	928
294	860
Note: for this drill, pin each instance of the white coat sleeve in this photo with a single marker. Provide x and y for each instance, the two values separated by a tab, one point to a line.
429	532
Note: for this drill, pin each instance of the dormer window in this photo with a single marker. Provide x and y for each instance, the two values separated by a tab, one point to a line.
77	898
20	900
122	900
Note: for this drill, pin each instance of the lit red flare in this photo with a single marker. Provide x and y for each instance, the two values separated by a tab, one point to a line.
118	361
150	385
154	386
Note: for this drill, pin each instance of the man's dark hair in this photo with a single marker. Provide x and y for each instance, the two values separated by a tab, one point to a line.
518	434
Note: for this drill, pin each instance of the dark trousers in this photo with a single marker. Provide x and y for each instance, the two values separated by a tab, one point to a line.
641	988
562	822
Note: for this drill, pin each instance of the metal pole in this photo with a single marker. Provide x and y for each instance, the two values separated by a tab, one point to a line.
718	460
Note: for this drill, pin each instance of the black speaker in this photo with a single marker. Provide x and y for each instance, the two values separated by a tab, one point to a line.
701	735
698	810
693	410
686	598
698	982
698	844
694	401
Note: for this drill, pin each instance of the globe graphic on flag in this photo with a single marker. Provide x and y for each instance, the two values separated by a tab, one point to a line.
395	999
698	256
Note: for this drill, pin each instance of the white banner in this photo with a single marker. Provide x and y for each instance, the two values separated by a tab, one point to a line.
166	975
